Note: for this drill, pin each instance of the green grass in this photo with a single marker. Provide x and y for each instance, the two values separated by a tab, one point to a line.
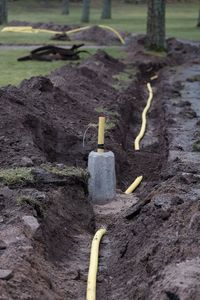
16	176
23	175
111	117
181	19
66	171
196	146
123	79
14	72
181	22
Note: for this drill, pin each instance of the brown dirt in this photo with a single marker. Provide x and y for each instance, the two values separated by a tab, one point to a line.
152	254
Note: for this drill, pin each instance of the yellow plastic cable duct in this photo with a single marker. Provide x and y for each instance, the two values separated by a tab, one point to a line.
114	31
134	185
30	29
77	29
144	118
101	132
27	29
101	26
93	268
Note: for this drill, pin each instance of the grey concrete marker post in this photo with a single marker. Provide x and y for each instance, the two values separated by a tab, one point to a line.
102	181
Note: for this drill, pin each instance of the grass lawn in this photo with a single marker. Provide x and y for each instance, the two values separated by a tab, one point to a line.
181	19
181	22
14	72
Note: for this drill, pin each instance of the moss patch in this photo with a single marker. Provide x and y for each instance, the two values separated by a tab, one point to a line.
194	78
156	52
16	176
196	146
123	79
111	117
66	171
34	203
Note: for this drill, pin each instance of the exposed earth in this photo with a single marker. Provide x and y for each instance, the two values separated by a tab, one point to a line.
151	249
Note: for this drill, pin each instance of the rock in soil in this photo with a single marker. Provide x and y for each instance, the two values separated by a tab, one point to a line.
6	274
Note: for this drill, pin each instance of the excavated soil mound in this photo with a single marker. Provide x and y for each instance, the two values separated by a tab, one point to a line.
45	118
98	35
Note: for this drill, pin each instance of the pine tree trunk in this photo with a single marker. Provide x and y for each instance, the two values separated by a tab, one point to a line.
65	7
156	25
3	12
198	22
86	11
106	12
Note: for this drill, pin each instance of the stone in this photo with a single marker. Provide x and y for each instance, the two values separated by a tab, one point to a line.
26	161
3	245
6	274
31	225
194	223
102	181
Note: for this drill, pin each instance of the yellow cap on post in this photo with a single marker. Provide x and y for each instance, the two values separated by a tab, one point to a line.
101	131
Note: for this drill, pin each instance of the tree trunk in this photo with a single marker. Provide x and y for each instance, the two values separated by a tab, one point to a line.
198	22
65	7
86	11
156	25
3	12
106	12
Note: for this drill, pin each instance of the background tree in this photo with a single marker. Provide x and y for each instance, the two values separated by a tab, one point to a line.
45	3
156	24
65	7
106	11
3	12
86	11
198	21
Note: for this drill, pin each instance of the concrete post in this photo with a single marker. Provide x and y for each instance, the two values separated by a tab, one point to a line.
102	181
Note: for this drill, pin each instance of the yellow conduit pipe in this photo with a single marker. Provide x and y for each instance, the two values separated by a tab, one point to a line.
138	180
101	132
93	268
144	118
134	185
77	29
29	29
114	31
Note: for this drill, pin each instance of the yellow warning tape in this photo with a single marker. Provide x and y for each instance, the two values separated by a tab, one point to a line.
30	29
93	268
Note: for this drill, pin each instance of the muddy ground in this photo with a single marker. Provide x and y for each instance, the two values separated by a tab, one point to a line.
151	250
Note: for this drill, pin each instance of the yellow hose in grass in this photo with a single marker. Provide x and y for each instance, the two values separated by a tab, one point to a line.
30	29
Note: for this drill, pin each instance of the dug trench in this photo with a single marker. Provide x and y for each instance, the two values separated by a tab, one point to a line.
47	221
